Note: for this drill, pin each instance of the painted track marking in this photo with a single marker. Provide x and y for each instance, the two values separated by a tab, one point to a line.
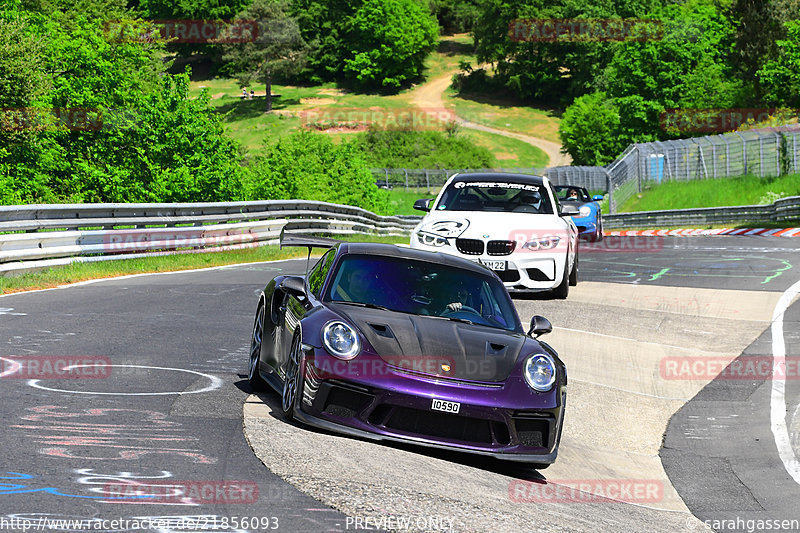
778	397
215	384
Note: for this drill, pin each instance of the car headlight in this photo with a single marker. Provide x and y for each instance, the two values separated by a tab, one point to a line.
585	211
341	340
544	243
429	239
539	372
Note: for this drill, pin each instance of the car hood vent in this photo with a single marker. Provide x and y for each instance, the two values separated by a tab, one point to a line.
436	346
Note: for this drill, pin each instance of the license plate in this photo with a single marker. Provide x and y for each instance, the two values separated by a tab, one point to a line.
494	265
445	406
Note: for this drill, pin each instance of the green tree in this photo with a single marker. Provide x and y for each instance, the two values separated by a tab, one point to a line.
759	26
550	71
113	126
456	16
588	130
390	41
780	77
279	48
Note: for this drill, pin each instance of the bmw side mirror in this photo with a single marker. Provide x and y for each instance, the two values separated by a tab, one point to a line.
293	285
539	326
597	197
422	204
569	210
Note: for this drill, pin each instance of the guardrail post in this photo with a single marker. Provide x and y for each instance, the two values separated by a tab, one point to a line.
405	170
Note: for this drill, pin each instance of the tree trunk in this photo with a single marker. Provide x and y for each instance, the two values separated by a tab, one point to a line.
269	94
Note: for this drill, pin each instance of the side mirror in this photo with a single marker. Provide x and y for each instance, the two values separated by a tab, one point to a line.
422	204
539	326
597	197
293	285
569	210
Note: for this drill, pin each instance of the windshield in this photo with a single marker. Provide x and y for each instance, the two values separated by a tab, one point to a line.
495	196
422	288
576	194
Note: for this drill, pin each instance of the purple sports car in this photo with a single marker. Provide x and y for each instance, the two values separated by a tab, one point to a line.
388	343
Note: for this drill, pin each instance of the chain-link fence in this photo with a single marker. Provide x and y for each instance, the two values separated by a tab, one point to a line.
763	152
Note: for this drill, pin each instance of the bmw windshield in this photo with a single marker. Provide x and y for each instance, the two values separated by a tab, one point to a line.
422	288
495	197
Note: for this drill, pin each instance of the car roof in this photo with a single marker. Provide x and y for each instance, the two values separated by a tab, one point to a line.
502	177
391	250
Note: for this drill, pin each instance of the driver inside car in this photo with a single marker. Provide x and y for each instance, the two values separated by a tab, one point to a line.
463	298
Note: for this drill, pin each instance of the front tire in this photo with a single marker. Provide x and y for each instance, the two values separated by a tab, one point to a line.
573	275
253	374
292	380
562	291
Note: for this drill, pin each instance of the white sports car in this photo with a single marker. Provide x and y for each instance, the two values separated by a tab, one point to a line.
511	223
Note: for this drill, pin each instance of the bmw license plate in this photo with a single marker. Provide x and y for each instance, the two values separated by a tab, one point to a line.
494	265
445	406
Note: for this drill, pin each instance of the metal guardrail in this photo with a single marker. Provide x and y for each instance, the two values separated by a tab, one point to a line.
33	237
40	236
783	211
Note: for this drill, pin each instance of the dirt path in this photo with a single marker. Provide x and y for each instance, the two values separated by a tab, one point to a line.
429	96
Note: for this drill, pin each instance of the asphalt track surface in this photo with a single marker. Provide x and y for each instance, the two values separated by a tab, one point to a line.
178	344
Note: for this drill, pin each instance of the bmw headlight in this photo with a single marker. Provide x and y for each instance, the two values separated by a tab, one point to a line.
540	372
545	243
341	340
585	211
429	239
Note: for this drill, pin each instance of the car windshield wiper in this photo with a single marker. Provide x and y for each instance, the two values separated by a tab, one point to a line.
363	304
462	320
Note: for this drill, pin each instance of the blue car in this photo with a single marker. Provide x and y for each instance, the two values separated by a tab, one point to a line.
589	219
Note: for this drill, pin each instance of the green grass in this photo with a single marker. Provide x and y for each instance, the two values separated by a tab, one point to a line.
56	276
505	114
745	190
246	122
510	152
401	201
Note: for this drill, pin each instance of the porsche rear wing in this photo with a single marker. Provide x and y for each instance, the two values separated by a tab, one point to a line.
306	241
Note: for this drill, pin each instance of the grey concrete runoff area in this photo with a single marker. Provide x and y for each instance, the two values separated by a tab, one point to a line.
667	426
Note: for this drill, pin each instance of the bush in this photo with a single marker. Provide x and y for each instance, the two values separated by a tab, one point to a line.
309	166
421	149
